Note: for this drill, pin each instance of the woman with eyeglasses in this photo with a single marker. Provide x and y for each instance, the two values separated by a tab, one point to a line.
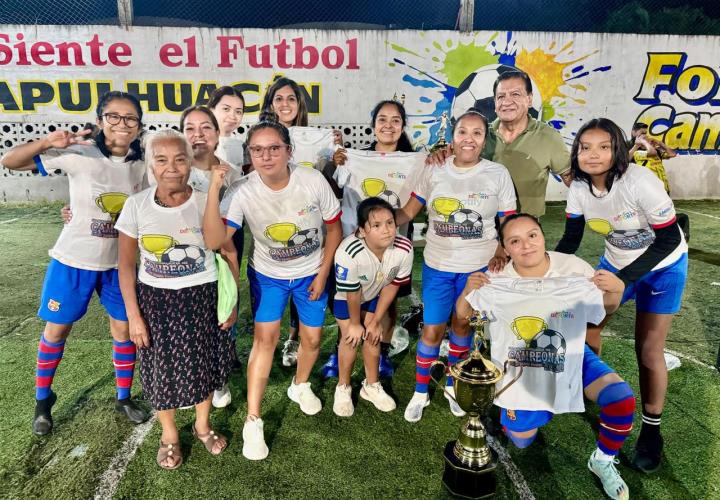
294	218
102	174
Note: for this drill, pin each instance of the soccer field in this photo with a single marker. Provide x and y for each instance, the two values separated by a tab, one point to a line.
93	452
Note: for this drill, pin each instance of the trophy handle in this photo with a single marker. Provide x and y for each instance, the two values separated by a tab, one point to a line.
511	362
439	384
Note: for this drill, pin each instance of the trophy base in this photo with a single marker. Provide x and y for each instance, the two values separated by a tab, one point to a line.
469	482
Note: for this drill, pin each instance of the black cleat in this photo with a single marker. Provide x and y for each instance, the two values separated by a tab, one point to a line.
648	453
131	410
43	422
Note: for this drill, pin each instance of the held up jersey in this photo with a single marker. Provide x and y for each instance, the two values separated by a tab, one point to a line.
311	144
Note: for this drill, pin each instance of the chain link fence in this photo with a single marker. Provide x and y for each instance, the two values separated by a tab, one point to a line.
689	17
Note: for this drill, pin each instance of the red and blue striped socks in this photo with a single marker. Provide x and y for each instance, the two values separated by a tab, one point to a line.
617	406
426	355
457	350
48	359
124	361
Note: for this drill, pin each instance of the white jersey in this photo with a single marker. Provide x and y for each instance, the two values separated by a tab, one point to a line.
390	176
626	215
358	269
172	249
99	187
541	324
462	205
311	144
287	225
232	150
562	265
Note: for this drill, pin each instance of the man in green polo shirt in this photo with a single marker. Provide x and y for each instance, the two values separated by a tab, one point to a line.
528	148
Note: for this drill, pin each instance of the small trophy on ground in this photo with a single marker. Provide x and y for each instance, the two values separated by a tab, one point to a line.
469	462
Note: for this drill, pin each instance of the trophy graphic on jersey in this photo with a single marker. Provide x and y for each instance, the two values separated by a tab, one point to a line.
600	226
527	328
373	187
157	244
281	232
111	203
469	462
446	206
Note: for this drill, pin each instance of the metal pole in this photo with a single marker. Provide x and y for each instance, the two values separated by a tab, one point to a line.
467	13
125	13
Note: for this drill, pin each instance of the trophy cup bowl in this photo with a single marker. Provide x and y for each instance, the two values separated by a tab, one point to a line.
373	187
469	461
157	244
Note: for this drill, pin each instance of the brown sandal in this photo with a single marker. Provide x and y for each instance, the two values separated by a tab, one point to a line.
209	439
172	451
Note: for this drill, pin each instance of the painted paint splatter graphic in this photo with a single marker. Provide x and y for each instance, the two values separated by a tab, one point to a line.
449	72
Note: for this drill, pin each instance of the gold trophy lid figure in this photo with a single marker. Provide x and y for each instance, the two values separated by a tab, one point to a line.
442	131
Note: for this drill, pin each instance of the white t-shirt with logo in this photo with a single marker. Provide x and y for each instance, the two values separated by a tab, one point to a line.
540	323
99	187
462	205
311	144
359	269
626	215
231	150
287	225
390	176
172	249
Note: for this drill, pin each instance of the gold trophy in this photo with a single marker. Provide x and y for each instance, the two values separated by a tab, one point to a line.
446	206
373	187
469	462
527	328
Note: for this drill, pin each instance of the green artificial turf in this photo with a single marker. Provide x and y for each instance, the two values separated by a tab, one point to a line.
370	455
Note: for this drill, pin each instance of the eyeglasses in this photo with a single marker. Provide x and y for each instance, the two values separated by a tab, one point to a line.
259	151
114	119
513	96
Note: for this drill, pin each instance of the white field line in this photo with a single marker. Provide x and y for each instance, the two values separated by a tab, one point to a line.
518	480
700	213
108	482
9	220
686	357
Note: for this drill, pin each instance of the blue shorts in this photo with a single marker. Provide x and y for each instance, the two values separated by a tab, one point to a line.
524	420
440	290
341	308
67	292
269	296
659	291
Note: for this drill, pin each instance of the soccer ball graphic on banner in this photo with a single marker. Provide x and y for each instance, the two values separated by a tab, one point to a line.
303	236
477	91
184	254
549	340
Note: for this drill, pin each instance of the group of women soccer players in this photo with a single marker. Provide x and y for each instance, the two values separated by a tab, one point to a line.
475	232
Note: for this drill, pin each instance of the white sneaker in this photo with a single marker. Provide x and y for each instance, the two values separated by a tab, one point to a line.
454	407
342	403
289	352
303	395
610	478
414	409
254	447
222	397
377	396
